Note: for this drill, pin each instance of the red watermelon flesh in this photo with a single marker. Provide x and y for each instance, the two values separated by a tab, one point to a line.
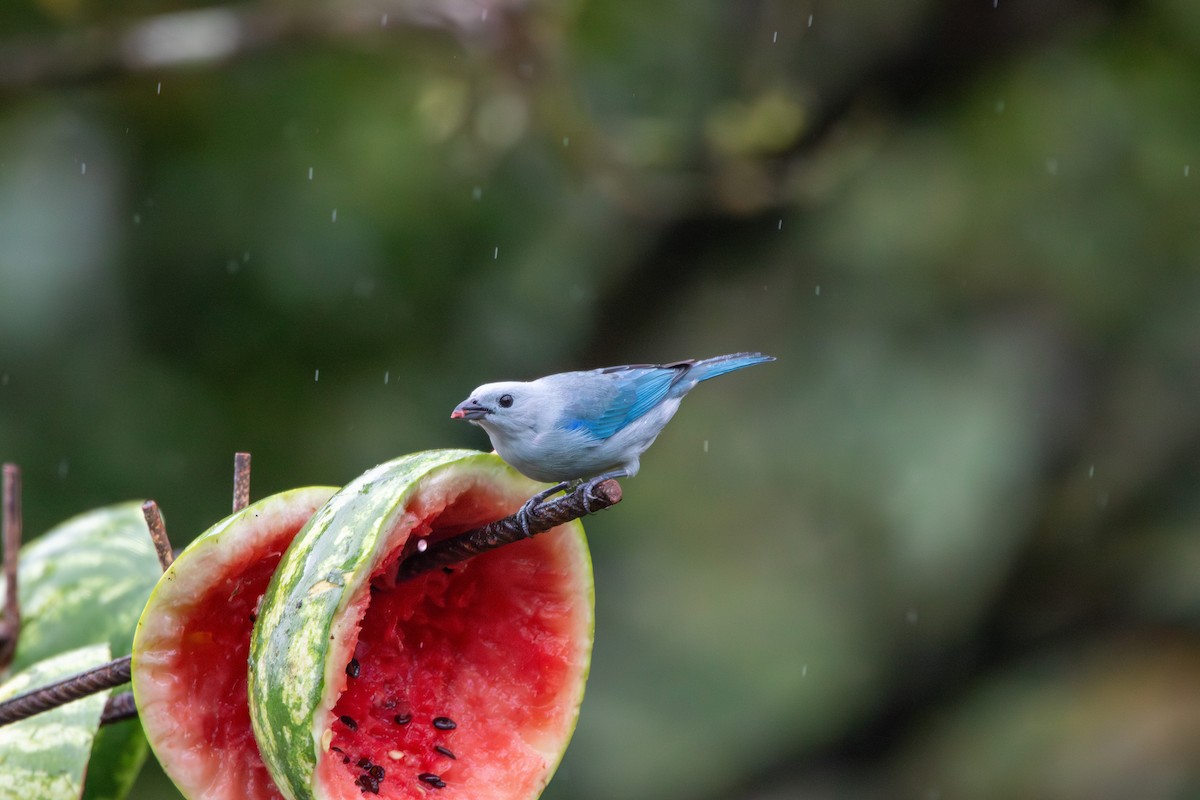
192	644
465	680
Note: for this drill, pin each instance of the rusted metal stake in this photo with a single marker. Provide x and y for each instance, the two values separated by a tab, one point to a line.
241	481
158	533
448	551
10	627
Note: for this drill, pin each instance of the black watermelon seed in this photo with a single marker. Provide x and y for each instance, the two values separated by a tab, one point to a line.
253	617
337	749
441	784
367	783
448	570
345	759
364	762
376	772
430	778
444	723
352	669
402	719
445	751
349	722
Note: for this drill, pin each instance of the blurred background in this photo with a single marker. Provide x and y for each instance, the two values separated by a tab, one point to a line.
946	546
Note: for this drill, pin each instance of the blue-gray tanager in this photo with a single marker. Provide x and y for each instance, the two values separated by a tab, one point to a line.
590	425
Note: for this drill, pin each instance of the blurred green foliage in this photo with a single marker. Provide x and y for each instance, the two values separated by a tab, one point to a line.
946	546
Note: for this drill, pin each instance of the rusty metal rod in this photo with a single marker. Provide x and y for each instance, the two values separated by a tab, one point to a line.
158	533
10	627
241	481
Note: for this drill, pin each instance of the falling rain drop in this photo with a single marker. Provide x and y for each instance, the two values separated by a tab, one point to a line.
137	219
477	193
316	376
810	16
334	216
1186	169
159	89
804	671
780	225
310	173
999	106
383	21
1092	471
775	37
63	468
83	168
566	140
496	253
817	290
386	375
483	16
706	445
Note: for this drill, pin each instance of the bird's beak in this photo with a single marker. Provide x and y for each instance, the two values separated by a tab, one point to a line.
469	410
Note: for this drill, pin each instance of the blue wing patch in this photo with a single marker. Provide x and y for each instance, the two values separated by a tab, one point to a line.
639	391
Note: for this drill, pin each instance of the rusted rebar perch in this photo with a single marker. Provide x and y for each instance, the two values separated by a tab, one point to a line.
550	514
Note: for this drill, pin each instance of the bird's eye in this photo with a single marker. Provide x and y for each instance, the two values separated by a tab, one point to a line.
506	401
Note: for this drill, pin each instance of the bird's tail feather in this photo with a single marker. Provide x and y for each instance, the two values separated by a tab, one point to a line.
719	365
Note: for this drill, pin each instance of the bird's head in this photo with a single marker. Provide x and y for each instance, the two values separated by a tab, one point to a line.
502	407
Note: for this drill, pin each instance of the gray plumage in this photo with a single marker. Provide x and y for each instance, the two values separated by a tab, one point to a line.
588	425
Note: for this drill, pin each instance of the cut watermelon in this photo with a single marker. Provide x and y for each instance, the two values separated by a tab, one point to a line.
461	683
191	644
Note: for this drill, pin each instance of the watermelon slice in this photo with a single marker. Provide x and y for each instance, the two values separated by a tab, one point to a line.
462	683
191	644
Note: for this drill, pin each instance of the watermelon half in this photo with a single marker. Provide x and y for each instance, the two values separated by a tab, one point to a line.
461	683
191	644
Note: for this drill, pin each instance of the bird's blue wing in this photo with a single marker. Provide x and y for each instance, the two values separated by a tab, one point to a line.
621	396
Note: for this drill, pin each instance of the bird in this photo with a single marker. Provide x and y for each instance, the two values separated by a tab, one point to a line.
587	426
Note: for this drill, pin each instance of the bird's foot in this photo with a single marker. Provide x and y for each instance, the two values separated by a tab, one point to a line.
523	515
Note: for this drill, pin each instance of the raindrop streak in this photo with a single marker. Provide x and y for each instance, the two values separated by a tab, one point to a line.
386	375
83	168
477	193
999	106
484	15
1186	169
706	445
159	89
775	37
810	20
334	217
1092	471
1052	166
780	224
310	171
316	376
383	20
804	671
496	253
566	140
817	291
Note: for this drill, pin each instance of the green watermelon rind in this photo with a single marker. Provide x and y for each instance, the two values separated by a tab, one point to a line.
45	756
205	560
83	582
303	635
